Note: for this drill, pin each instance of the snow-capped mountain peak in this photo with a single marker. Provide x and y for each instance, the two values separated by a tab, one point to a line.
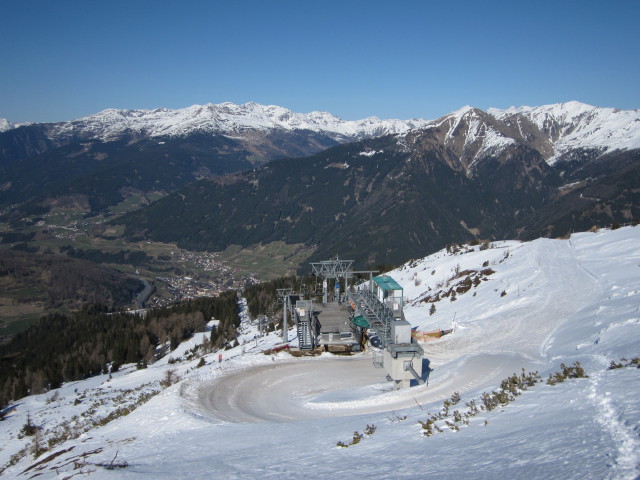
471	133
572	125
462	111
7	125
226	118
552	130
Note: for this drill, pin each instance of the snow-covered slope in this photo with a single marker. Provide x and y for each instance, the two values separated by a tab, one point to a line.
226	118
471	134
534	305
551	129
6	125
573	125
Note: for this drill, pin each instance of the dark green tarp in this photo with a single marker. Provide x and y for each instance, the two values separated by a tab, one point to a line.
360	321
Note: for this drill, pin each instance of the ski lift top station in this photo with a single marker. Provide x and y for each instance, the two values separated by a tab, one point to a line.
373	308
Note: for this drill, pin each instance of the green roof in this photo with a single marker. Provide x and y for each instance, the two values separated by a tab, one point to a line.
385	282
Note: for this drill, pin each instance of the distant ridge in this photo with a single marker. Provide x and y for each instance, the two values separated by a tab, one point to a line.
552	129
226	118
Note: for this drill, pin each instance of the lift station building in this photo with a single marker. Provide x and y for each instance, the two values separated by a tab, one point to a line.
371	309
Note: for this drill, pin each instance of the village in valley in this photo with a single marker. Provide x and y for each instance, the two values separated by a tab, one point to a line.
217	277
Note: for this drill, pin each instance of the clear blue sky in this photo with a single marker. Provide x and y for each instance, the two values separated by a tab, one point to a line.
61	60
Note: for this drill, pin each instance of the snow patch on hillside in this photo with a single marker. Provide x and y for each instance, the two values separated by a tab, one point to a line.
6	125
370	153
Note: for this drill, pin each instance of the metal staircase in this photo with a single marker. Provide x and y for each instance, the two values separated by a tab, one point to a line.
306	324
305	337
379	316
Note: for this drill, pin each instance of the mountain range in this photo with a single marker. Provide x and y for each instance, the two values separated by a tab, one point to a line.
100	160
248	174
225	118
553	129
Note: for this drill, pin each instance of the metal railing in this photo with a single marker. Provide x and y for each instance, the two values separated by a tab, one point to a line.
379	316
